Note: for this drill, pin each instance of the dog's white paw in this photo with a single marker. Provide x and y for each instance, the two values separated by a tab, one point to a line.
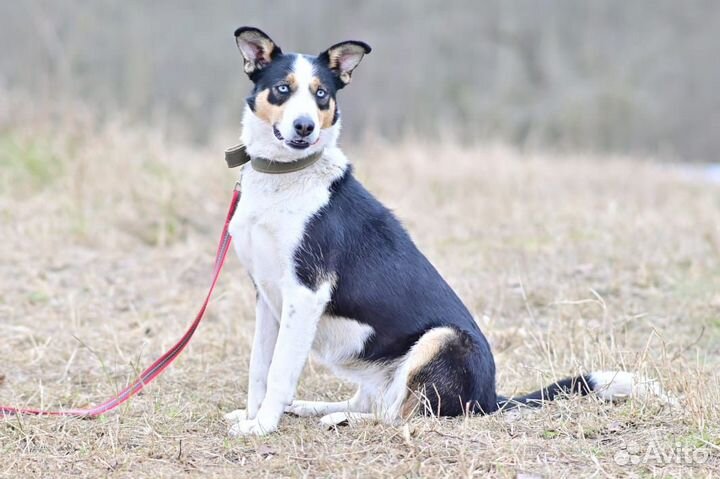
236	415
250	427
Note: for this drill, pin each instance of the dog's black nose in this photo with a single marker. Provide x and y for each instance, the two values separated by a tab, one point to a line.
304	126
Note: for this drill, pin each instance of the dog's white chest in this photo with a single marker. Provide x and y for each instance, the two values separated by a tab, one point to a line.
268	226
259	243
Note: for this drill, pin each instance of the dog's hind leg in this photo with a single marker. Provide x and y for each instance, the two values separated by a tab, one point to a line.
446	373
359	403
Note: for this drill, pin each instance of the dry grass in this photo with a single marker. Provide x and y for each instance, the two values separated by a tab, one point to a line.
570	264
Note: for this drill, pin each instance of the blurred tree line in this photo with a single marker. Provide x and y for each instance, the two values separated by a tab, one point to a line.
630	76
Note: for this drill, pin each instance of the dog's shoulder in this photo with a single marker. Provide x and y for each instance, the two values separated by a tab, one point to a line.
353	227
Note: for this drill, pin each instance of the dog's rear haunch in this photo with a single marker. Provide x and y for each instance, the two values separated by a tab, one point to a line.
336	274
443	371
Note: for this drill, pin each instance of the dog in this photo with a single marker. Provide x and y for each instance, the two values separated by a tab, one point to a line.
337	275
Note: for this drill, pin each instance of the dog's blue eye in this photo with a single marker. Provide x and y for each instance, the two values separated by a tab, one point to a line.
320	93
283	88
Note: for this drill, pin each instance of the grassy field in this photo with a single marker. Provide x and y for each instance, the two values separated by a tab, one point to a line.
570	263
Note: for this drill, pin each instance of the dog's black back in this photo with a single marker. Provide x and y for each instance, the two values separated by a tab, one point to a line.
384	281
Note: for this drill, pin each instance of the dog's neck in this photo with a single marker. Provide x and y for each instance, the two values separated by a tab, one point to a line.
331	166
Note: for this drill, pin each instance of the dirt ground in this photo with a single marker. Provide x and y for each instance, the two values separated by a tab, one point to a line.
570	263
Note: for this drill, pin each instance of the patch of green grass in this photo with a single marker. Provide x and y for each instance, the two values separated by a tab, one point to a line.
713	323
38	297
697	285
699	440
27	163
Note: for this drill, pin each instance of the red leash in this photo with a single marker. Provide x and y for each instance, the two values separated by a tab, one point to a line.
164	361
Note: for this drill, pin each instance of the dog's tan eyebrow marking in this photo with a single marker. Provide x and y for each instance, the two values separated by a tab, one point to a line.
315	83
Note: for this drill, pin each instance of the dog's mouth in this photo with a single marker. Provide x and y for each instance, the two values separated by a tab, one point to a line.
297	143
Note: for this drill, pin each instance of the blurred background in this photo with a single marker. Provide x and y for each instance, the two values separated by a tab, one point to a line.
635	77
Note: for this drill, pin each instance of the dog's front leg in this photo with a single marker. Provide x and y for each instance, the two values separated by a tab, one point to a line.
266	332
301	311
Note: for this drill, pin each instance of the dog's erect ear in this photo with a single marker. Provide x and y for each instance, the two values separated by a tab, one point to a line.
343	57
257	49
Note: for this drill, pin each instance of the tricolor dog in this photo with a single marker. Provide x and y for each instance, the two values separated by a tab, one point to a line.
336	274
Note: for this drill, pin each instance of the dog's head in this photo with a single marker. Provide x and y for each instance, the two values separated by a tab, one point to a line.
292	110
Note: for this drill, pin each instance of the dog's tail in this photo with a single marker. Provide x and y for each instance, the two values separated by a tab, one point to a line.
607	385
